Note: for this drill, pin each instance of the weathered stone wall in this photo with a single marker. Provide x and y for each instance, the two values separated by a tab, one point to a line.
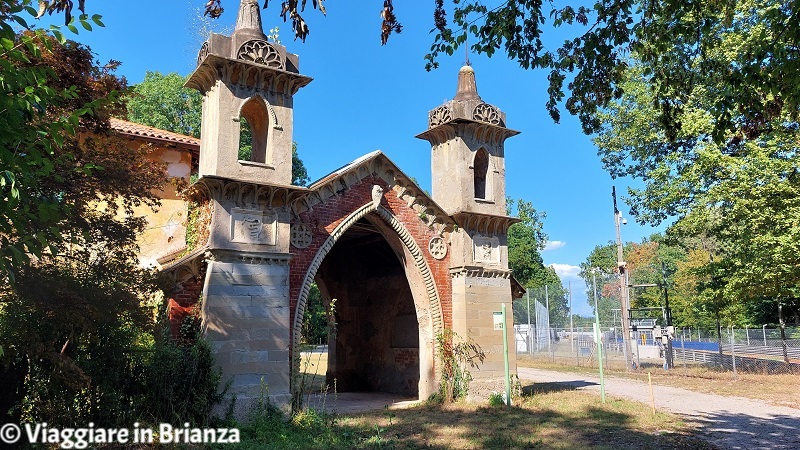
246	320
475	299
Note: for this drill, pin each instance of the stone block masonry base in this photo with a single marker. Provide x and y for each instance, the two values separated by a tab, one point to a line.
247	323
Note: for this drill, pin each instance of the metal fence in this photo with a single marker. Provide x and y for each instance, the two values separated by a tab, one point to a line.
761	350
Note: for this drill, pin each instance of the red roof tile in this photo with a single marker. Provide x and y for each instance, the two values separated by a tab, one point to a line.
135	129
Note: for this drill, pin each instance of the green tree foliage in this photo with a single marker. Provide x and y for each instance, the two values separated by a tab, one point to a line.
74	330
44	101
315	319
600	267
739	200
526	239
744	51
161	101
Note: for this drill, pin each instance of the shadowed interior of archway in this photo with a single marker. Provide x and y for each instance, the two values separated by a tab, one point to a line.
374	345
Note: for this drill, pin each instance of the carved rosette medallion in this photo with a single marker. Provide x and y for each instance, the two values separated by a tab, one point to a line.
437	247
301	235
253	227
487	113
203	53
260	52
439	116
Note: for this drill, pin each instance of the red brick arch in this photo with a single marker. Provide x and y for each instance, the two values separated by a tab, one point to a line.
403	224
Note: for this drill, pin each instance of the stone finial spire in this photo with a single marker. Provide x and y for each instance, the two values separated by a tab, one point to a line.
467	88
249	20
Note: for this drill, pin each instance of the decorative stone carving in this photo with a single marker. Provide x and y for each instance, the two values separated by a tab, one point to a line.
203	53
249	17
253	227
377	194
301	235
260	52
439	116
437	248
487	113
486	249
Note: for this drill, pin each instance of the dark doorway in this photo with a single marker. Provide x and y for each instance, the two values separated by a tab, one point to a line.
374	345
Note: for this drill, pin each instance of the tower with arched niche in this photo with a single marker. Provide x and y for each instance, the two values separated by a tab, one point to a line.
467	139
247	82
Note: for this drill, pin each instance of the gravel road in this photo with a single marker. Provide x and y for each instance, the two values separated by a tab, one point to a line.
729	422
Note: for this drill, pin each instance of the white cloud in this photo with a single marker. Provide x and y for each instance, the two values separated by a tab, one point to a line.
553	245
566	270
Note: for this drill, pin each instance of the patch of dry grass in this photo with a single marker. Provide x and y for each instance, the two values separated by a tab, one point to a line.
779	390
547	420
313	367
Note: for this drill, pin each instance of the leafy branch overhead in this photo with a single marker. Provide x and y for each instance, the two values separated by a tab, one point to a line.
681	45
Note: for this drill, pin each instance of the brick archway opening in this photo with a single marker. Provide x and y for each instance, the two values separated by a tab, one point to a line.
376	232
374	344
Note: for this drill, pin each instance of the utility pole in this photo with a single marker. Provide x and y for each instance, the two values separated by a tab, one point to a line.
623	285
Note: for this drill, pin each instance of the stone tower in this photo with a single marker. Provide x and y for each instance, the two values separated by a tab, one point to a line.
245	78
467	139
246	307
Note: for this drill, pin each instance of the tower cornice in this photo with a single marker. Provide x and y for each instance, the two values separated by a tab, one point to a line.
250	74
486	132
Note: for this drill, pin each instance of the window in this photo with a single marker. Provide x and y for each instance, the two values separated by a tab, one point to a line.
253	131
481	173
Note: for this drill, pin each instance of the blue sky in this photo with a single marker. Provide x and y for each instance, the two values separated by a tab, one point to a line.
366	97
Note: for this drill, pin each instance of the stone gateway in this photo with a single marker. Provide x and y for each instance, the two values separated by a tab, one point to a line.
397	266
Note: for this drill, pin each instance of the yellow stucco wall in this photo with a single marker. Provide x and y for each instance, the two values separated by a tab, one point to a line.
166	229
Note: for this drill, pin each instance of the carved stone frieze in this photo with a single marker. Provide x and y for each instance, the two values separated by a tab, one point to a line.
203	53
486	249
440	115
485	112
245	195
223	255
214	68
480	272
253	227
261	52
485	224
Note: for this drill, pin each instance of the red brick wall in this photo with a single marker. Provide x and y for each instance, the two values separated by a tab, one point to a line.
324	218
183	300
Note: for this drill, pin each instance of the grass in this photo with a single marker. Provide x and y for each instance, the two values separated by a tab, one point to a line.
549	416
313	367
779	390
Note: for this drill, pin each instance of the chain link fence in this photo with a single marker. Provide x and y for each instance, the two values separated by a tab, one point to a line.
761	350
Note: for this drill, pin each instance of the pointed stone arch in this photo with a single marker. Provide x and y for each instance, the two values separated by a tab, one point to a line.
429	315
260	118
482	175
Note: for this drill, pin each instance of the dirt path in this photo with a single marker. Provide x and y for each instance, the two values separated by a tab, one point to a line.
729	422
